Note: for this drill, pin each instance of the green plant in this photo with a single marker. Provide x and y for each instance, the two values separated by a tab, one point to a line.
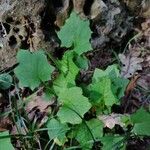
69	128
32	69
5	141
76	34
5	81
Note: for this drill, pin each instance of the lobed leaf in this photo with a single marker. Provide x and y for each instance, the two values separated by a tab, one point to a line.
87	131
33	68
57	131
74	103
76	33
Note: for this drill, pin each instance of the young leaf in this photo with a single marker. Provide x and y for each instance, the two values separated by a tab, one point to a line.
86	132
104	92
5	143
69	71
118	84
5	81
75	105
76	32
68	67
111	71
33	68
57	131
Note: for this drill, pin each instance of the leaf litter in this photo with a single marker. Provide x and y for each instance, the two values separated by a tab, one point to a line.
131	64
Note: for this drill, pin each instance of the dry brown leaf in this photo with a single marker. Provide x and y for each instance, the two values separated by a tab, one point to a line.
97	7
146	31
111	120
131	64
131	85
78	6
62	14
22	129
38	108
144	81
38	102
145	9
5	123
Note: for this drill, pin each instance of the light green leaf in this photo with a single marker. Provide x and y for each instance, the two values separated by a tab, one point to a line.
68	67
5	81
60	84
76	32
111	71
67	115
33	68
86	132
73	99
57	131
5	143
98	74
69	71
103	92
116	85
111	142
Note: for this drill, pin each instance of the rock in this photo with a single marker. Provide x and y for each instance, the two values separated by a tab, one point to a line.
23	29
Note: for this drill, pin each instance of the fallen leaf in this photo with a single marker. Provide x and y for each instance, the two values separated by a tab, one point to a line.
131	85
39	103
38	108
62	14
14	130
145	9
78	7
5	123
97	7
131	64
111	120
146	31
144	81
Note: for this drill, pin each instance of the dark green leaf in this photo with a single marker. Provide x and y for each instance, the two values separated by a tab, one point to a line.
141	121
33	68
5	81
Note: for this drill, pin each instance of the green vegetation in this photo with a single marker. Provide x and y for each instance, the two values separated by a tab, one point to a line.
68	128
